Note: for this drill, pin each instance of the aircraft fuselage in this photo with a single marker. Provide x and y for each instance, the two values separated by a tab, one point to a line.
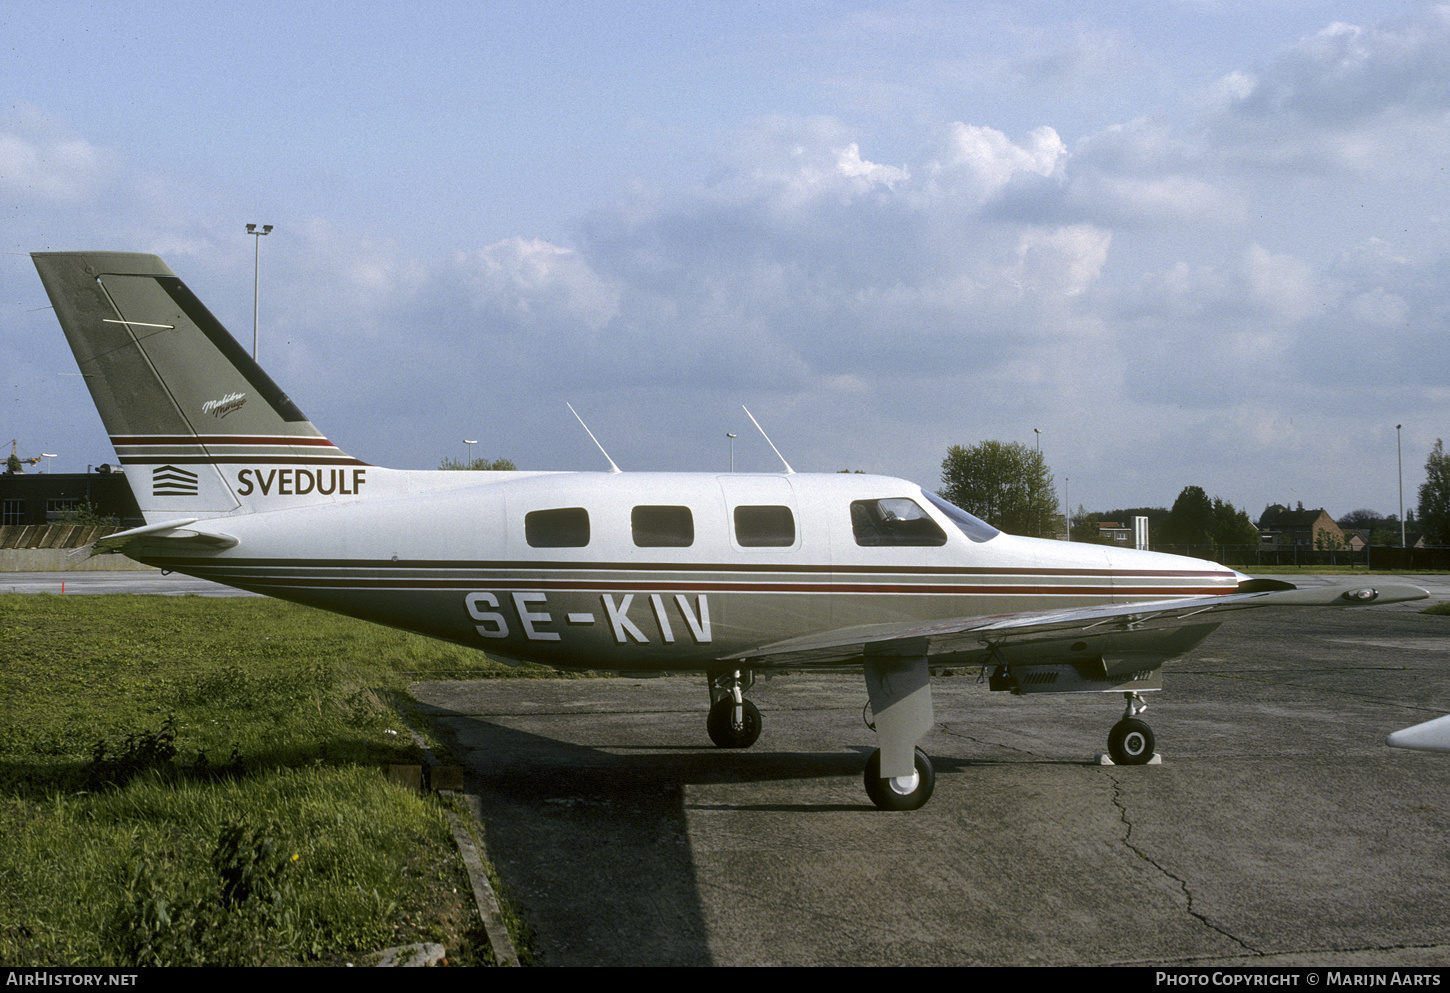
645	571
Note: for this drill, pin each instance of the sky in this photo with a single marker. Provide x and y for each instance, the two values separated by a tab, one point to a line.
1177	242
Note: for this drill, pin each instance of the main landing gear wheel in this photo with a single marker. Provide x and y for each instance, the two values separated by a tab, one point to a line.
725	731
905	792
1130	742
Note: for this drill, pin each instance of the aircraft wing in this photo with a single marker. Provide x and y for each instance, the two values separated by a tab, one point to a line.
1432	736
1137	631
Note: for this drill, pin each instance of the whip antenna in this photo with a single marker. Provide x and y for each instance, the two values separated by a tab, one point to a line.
788	469
612	466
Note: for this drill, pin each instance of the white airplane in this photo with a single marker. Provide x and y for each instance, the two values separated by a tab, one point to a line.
729	574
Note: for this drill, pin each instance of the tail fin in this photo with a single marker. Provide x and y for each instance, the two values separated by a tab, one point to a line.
186	407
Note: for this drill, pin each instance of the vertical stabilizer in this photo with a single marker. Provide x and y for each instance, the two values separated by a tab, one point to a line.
194	420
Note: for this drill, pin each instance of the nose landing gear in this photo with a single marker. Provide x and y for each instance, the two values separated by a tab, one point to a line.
734	721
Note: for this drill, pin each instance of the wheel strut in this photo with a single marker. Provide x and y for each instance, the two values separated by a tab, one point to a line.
1131	742
734	721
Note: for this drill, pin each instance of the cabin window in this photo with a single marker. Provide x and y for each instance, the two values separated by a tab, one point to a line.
567	527
894	521
662	527
764	527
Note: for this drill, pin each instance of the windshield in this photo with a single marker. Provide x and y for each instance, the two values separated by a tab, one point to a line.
970	526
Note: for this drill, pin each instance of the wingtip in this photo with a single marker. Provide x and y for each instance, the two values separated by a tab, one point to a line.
1431	736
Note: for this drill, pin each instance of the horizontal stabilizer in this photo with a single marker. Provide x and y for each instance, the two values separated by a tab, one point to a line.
169	532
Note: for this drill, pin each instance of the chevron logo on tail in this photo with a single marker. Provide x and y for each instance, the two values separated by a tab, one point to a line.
168	480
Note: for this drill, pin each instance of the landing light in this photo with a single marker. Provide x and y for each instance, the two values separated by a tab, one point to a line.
1364	595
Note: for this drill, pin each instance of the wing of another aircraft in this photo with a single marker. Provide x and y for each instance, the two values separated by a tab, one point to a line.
1135	633
1431	736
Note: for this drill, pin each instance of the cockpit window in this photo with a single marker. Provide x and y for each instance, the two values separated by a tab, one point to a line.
894	521
977	530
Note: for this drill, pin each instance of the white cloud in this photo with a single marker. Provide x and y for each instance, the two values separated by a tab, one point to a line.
1155	199
793	165
64	170
529	281
850	163
974	162
1367	99
1062	261
1379	307
1285	287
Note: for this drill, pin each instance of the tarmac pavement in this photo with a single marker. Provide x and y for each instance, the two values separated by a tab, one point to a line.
1278	830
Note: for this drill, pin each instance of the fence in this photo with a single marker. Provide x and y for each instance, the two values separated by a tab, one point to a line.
58	548
1369	557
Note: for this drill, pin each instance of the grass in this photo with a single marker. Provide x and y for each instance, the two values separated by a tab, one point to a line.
189	780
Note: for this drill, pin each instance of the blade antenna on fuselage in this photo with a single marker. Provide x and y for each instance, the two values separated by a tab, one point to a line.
612	466
788	469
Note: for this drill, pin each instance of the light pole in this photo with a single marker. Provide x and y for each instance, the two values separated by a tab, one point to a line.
470	445
1067	507
732	450
256	277
48	455
1038	434
1400	459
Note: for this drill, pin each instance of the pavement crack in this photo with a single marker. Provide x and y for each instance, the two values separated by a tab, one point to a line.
1183	887
989	743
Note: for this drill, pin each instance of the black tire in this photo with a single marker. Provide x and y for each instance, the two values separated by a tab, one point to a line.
1130	742
725	733
886	797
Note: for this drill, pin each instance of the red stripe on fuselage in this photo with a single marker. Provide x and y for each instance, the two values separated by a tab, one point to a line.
219	439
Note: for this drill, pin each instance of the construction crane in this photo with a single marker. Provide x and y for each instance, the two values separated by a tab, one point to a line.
16	459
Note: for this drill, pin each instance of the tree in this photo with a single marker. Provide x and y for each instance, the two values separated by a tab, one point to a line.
1191	521
1435	497
1363	519
87	514
497	465
1197	520
1232	526
1085	527
1006	485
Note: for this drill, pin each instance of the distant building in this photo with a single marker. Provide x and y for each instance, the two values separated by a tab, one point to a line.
1281	527
31	498
1117	533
